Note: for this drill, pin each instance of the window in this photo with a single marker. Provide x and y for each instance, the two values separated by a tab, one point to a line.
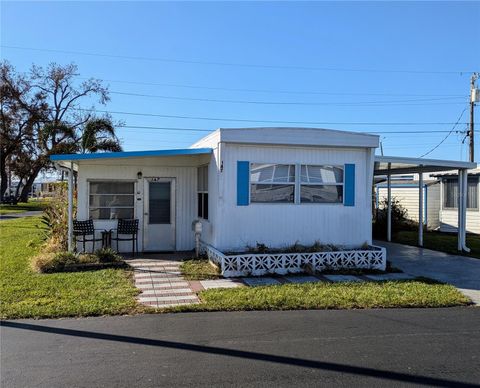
202	192
272	183
111	200
321	184
450	193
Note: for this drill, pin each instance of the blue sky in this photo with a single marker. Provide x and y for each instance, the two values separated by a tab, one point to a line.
414	54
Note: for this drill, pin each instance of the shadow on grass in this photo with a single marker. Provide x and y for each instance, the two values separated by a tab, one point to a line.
290	361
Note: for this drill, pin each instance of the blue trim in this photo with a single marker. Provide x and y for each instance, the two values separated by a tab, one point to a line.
349	194
401	186
132	154
243	183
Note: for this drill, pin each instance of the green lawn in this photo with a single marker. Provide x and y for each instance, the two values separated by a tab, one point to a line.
389	294
23	207
199	270
26	294
438	241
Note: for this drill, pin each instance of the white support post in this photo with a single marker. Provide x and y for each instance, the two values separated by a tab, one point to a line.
460	210
464	210
70	208
389	205
420	209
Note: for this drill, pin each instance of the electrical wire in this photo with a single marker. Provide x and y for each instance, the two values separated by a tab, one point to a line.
446	137
229	64
256	121
376	103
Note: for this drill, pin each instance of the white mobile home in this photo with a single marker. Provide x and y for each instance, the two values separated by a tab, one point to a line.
274	186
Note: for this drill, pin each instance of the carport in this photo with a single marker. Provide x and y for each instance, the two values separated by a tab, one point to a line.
386	166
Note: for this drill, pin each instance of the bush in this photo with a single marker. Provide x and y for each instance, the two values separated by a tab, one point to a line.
54	262
400	220
55	216
107	255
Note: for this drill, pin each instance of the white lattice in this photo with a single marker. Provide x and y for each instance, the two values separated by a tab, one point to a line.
281	263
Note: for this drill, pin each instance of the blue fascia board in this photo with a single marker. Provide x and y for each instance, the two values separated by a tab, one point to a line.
132	154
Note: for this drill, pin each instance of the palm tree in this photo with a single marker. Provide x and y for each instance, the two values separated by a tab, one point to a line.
98	135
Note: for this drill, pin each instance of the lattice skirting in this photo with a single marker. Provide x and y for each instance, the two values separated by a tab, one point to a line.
281	263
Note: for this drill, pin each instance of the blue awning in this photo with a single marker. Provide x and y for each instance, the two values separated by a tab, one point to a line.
131	154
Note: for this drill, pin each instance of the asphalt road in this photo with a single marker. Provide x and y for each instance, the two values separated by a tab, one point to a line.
409	347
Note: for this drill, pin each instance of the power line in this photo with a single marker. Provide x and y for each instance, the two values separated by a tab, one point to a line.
275	91
231	64
448	134
208	130
256	121
376	103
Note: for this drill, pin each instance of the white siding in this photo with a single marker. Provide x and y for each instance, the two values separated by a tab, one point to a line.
284	224
408	197
186	193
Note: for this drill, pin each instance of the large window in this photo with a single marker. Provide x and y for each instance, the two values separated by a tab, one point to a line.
321	184
450	193
272	183
202	192
111	200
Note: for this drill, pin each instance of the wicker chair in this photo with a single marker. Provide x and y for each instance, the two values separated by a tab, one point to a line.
129	229
86	231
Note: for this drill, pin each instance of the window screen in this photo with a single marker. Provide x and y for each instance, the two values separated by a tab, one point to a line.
111	200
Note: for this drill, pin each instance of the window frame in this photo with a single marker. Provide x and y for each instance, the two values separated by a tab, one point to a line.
89	181
455	207
297	184
294	184
201	212
300	184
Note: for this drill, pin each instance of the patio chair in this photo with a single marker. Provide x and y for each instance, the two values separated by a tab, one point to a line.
128	229
85	230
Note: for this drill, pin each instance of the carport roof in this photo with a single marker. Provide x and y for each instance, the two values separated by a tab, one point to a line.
403	165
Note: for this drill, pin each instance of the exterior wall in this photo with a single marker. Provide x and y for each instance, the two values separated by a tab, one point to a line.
278	225
408	197
186	193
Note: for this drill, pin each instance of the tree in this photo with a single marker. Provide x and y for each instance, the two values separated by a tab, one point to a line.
21	110
98	134
41	115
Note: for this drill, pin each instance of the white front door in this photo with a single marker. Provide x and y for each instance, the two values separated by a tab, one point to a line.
159	214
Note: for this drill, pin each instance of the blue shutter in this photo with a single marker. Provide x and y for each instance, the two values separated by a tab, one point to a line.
349	185
243	182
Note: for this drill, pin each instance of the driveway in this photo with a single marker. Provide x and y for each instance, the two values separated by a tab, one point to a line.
463	272
361	348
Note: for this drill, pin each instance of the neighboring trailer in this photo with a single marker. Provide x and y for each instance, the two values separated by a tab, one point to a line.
407	195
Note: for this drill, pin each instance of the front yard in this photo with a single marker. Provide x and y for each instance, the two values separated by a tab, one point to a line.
21	207
321	295
26	294
439	241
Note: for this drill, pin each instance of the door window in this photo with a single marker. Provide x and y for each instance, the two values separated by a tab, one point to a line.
159	198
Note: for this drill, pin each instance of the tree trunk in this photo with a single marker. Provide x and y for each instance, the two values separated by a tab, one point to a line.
18	187
3	175
28	185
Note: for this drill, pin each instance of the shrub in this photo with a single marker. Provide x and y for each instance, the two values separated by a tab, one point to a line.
400	220
54	262
55	217
107	255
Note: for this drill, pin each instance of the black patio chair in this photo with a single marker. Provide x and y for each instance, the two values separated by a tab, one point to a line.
129	229
85	230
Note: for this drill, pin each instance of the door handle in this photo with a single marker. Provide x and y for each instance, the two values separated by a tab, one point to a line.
145	214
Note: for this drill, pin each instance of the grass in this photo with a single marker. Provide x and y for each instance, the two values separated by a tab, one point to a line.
23	207
199	270
389	294
439	241
26	294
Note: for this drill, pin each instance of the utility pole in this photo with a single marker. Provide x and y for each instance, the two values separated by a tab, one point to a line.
473	98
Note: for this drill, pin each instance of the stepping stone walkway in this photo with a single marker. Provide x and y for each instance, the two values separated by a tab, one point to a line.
161	283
